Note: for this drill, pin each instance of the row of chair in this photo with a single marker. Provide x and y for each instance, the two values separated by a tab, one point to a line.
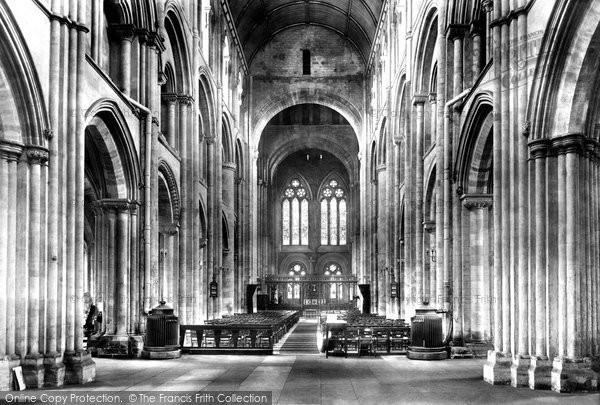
366	340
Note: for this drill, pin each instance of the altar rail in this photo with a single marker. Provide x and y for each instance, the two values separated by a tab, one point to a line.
235	338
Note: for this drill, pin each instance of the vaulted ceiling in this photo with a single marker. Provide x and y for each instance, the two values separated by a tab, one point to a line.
257	21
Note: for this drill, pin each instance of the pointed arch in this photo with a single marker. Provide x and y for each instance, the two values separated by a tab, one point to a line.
109	143
227	139
167	173
19	83
474	158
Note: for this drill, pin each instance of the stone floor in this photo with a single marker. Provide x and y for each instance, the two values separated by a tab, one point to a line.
313	379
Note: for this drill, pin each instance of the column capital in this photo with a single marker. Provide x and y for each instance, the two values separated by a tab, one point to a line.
477	201
123	31
10	151
117	204
169	97
568	143
210	140
419	99
229	166
154	39
185	100
36	154
456	31
538	148
380	167
433	97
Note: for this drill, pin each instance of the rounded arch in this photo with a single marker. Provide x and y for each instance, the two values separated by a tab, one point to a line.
19	83
206	103
174	27
109	143
239	159
303	95
425	54
336	258
562	100
165	171
430	192
227	139
317	141
474	158
292	259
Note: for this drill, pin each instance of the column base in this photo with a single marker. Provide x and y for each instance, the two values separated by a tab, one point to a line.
519	371
460	352
539	373
480	350
7	364
570	375
33	370
158	354
496	370
118	346
55	370
79	368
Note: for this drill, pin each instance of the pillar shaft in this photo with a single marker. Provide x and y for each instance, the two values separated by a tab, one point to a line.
121	270
421	291
572	264
540	257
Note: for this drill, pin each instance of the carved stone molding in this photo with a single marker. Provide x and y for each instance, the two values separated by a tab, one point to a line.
419	99
229	166
169	97
116	204
173	190
477	201
10	151
185	99
48	133
37	154
380	167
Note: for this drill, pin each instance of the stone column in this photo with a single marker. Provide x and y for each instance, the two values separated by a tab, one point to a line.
539	370
125	34
419	102
9	155
479	205
569	370
122	267
171	99
33	369
228	279
497	368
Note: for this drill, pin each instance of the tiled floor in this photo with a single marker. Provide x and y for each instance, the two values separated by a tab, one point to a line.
313	379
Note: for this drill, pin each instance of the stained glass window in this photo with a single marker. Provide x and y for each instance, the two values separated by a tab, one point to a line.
324	222
285	216
333	228
294	214
295	222
342	212
333	214
304	222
